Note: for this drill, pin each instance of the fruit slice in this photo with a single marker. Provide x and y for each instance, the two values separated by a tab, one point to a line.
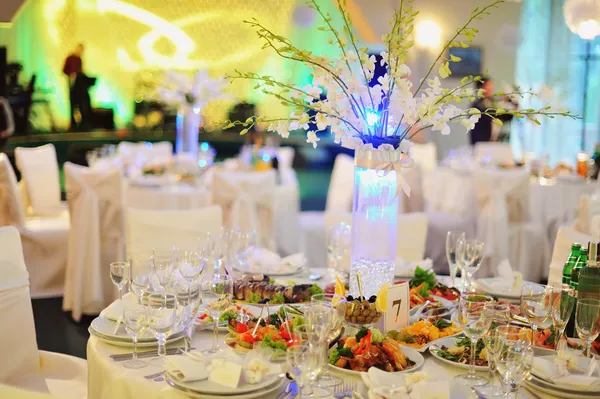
381	301
340	290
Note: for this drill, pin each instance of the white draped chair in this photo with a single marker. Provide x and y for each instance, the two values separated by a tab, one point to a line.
424	155
493	153
247	200
45	238
562	248
339	200
450	205
40	180
22	364
504	223
97	237
286	209
589	208
149	229
285	156
412	236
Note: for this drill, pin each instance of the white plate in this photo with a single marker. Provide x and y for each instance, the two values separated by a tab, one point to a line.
425	347
552	389
257	394
411	353
129	344
406	269
206	387
257	270
498	287
449	342
105	328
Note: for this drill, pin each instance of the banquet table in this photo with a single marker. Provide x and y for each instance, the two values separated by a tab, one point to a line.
178	196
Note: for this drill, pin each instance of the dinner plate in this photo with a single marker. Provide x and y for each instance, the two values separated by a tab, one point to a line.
129	344
257	394
271	273
556	390
411	353
207	387
449	342
498	286
105	327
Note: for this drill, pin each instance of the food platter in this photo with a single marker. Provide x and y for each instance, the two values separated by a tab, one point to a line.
449	342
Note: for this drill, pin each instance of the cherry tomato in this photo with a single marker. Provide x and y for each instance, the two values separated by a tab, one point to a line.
285	335
247	337
204	316
241	328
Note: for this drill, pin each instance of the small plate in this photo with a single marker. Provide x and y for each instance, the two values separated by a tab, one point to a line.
257	394
410	353
449	342
206	387
497	286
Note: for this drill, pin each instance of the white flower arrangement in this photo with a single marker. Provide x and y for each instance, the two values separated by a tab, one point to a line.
197	90
392	111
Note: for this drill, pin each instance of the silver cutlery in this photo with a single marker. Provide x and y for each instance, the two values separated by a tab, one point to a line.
142	355
345	390
155	375
290	390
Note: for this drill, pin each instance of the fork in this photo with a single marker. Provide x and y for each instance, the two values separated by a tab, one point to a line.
155	375
345	390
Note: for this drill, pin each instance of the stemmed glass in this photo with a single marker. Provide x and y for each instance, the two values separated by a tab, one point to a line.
514	361
307	357
470	255
141	274
563	301
162	311
339	237
135	317
475	320
452	239
163	263
536	304
189	299
217	295
119	274
191	264
245	245
587	322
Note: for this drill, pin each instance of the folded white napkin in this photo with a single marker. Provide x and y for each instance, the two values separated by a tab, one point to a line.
264	260
386	385
406	268
185	369
505	272
115	309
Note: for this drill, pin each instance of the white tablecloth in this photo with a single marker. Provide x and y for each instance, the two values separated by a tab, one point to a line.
167	197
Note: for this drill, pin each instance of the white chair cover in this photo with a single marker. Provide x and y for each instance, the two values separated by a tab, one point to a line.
96	239
287	224
39	171
148	229
17	335
589	207
412	233
341	186
416	201
11	211
562	248
493	153
424	155
285	156
247	202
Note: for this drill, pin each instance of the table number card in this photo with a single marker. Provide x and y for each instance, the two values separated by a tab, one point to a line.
398	308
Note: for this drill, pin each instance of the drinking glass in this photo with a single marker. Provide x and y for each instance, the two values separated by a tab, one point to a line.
470	256
514	361
563	301
191	264
493	341
207	243
119	274
141	275
217	295
189	299
135	317
307	357
587	322
475	320
452	239
536	304
500	312
162	312
163	263
245	247
339	238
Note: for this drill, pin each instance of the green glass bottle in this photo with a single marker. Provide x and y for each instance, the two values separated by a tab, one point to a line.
589	276
570	263
581	263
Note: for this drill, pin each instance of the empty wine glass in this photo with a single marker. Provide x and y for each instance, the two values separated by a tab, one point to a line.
587	322
475	320
563	302
536	304
452	239
119	274
339	237
500	313
245	246
141	275
493	344
514	361
191	264
162	312
135	317
471	255
163	263
306	358
189	299
217	295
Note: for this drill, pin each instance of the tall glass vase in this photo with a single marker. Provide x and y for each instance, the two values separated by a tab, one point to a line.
374	219
188	123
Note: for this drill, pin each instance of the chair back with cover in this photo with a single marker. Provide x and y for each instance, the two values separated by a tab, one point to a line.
341	185
424	155
39	172
17	336
247	200
412	234
589	207
493	153
565	237
11	210
451	191
95	198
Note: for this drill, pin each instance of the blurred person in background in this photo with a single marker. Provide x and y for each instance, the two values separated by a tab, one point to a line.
79	85
7	124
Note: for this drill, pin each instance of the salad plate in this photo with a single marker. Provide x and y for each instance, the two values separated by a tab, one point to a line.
444	352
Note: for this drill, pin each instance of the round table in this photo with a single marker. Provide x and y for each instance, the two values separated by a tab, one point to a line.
178	196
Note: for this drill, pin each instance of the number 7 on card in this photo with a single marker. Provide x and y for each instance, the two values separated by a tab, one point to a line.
398	307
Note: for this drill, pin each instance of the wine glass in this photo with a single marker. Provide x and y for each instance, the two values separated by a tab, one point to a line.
189	298
162	311
452	239
471	254
217	295
306	358
245	247
563	302
163	263
338	238
536	304
141	275
514	361
475	320
119	274
587	322
500	311
135	317
191	264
